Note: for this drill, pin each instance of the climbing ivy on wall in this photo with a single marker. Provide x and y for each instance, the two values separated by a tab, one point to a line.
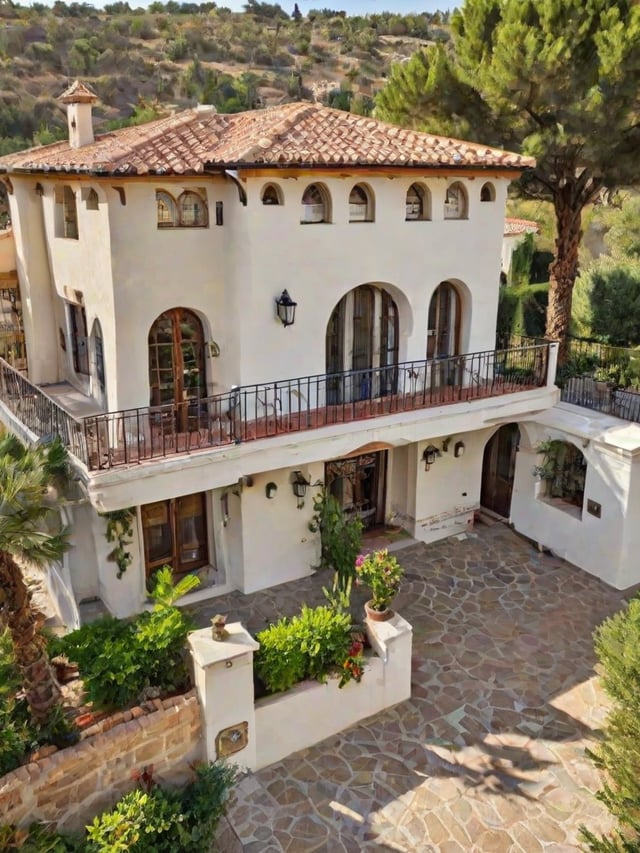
119	530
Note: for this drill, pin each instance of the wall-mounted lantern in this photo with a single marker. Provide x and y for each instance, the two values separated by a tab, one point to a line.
429	456
286	309
458	449
299	486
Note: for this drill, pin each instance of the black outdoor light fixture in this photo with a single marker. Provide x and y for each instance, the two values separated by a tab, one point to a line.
458	449
299	486
286	309
429	456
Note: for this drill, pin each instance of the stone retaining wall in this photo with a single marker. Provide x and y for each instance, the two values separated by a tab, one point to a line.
72	785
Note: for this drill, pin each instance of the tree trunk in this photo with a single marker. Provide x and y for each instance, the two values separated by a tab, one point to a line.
41	688
564	268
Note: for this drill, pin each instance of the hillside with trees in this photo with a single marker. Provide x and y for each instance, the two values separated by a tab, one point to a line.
142	62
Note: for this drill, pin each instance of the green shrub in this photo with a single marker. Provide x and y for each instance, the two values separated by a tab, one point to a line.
39	839
324	637
159	821
143	821
119	659
310	645
340	544
279	662
15	737
617	643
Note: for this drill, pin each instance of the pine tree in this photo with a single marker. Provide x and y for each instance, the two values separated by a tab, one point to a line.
556	79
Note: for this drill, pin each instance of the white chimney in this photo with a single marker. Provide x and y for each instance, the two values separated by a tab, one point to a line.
79	100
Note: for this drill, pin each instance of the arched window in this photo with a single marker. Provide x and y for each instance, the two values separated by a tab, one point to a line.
417	203
93	202
66	213
315	205
488	192
443	333
271	195
455	203
98	354
167	210
176	363
563	470
192	210
362	346
360	204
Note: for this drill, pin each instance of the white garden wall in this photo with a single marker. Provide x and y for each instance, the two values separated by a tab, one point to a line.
224	683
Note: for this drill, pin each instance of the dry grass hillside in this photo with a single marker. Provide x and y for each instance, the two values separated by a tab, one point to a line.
142	62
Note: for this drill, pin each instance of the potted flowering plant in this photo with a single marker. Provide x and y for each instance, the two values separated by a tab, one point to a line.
382	574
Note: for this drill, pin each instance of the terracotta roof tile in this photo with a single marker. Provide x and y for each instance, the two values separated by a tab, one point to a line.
513	227
299	134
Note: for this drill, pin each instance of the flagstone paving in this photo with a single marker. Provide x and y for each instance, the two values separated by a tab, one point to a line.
489	753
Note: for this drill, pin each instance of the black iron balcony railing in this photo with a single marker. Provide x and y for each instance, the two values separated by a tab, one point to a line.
601	377
253	412
38	412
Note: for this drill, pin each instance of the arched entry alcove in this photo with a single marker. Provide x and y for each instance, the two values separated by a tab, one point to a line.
498	469
176	362
362	345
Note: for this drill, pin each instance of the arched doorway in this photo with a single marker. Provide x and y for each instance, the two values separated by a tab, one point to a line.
358	484
176	362
362	346
498	470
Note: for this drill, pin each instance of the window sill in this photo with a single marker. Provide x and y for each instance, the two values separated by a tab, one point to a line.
564	506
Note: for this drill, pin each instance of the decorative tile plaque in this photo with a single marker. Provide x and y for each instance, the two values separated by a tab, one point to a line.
232	739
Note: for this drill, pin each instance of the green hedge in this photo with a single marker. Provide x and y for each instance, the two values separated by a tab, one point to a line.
310	645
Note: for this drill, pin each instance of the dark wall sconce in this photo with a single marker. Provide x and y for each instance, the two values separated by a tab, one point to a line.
270	490
219	213
299	486
286	309
429	456
458	449
445	444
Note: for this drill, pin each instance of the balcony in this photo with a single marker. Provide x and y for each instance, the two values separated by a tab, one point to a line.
251	412
603	378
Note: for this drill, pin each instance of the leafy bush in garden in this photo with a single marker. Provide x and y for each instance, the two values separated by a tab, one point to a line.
618	756
153	820
310	645
119	659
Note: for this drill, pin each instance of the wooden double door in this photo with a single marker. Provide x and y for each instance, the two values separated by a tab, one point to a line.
498	470
358	484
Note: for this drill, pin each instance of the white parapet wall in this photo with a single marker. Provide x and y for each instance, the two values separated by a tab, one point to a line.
276	726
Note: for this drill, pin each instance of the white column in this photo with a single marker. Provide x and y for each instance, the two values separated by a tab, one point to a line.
223	671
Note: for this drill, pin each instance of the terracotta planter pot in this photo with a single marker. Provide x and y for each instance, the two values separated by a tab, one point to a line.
377	615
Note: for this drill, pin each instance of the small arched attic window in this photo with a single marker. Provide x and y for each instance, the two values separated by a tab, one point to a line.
316	205
417	203
455	203
488	192
271	195
167	210
361	204
93	202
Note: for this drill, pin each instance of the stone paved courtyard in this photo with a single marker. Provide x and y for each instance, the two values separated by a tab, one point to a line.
488	755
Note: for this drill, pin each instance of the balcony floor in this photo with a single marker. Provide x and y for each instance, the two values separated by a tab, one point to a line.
73	401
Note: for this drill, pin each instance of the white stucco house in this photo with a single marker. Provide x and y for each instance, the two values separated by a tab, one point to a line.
222	313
